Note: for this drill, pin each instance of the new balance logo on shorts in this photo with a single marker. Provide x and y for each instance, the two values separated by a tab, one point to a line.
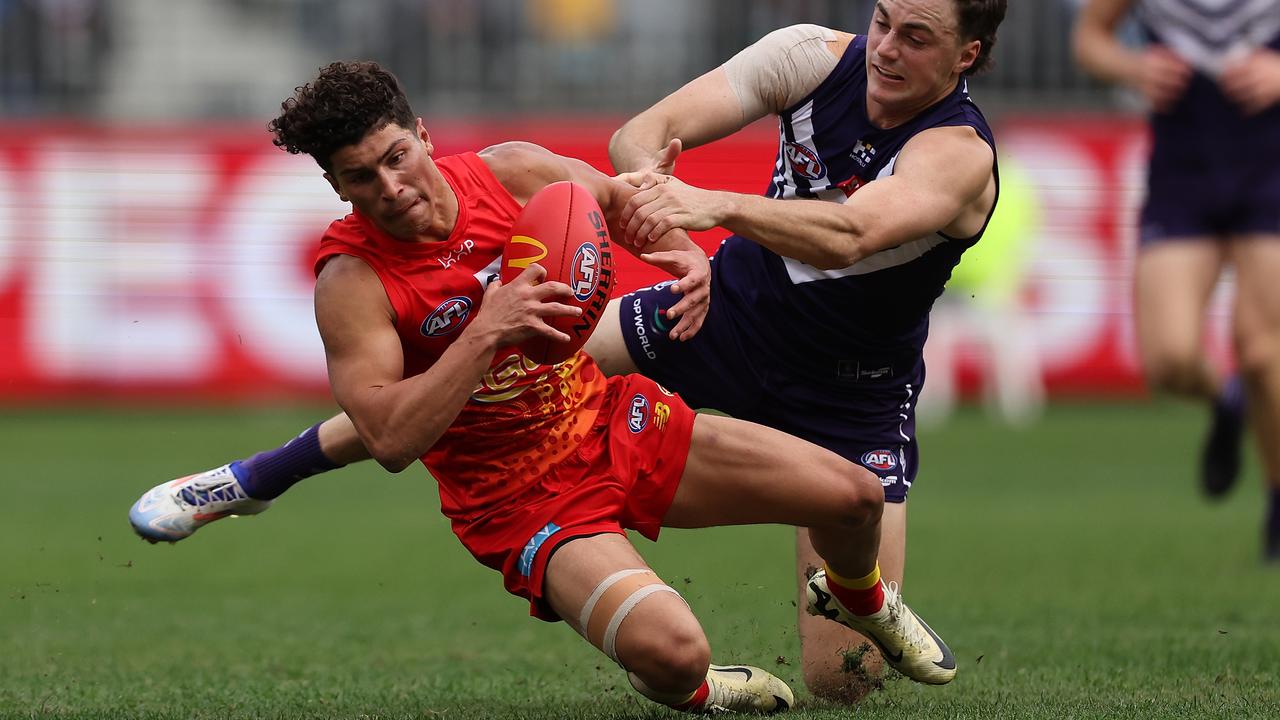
661	412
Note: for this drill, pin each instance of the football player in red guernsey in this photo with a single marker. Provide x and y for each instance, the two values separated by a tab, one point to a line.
542	468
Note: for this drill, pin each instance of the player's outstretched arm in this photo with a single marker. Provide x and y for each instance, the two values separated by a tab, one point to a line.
398	418
943	181
765	78
705	109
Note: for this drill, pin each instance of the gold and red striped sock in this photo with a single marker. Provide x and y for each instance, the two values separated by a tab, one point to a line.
861	596
696	700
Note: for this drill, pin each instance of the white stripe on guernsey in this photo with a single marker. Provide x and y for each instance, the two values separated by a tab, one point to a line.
611	633
800	272
802	128
893	257
604	585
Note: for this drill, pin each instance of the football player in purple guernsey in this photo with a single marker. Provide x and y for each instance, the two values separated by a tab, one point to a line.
819	303
1211	76
886	173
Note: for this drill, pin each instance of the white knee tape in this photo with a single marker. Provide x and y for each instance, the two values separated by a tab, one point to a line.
615	602
611	632
604	585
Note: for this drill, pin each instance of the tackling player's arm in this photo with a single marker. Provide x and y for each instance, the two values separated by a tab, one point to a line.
765	78
398	418
943	181
525	168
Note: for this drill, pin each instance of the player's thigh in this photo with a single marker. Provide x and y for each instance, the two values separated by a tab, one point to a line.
1173	282
1256	315
738	472
581	585
606	345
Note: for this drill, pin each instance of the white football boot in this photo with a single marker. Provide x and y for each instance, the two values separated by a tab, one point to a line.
730	689
174	510
745	689
908	644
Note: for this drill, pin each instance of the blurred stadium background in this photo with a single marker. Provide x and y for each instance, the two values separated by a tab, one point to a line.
154	243
155	319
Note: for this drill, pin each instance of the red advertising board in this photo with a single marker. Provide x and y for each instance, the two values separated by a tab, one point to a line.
175	262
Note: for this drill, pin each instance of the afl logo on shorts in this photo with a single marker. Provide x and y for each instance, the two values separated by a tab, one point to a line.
638	417
585	271
450	316
804	162
882	460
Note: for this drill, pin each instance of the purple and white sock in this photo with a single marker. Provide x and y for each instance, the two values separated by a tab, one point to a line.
268	474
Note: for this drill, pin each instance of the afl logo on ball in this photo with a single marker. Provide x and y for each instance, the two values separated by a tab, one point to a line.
804	162
638	417
450	316
585	271
879	460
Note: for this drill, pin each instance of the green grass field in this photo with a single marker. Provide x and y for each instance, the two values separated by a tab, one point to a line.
1072	567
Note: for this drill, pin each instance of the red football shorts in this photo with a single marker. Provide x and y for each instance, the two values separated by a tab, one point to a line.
623	476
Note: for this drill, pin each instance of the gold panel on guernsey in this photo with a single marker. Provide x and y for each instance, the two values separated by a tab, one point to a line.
503	382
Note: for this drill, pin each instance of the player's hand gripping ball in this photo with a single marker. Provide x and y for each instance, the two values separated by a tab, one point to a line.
563	229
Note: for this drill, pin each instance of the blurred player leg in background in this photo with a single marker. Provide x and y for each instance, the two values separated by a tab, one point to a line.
1173	283
1211	79
1257	337
1003	339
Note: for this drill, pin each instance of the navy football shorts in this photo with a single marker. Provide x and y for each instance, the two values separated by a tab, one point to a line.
871	425
1190	195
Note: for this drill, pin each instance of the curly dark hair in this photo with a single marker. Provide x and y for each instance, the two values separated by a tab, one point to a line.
346	101
978	20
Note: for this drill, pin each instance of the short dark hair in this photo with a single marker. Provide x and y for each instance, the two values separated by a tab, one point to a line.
978	20
346	101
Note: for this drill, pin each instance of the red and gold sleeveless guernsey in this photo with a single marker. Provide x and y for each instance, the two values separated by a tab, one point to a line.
524	417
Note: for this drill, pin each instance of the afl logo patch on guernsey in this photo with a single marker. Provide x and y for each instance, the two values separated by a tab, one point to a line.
450	316
638	417
585	271
880	460
805	162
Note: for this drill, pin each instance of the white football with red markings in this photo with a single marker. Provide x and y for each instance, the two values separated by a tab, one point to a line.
563	229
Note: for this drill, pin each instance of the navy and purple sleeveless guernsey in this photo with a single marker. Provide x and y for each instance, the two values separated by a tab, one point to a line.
832	356
1214	172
